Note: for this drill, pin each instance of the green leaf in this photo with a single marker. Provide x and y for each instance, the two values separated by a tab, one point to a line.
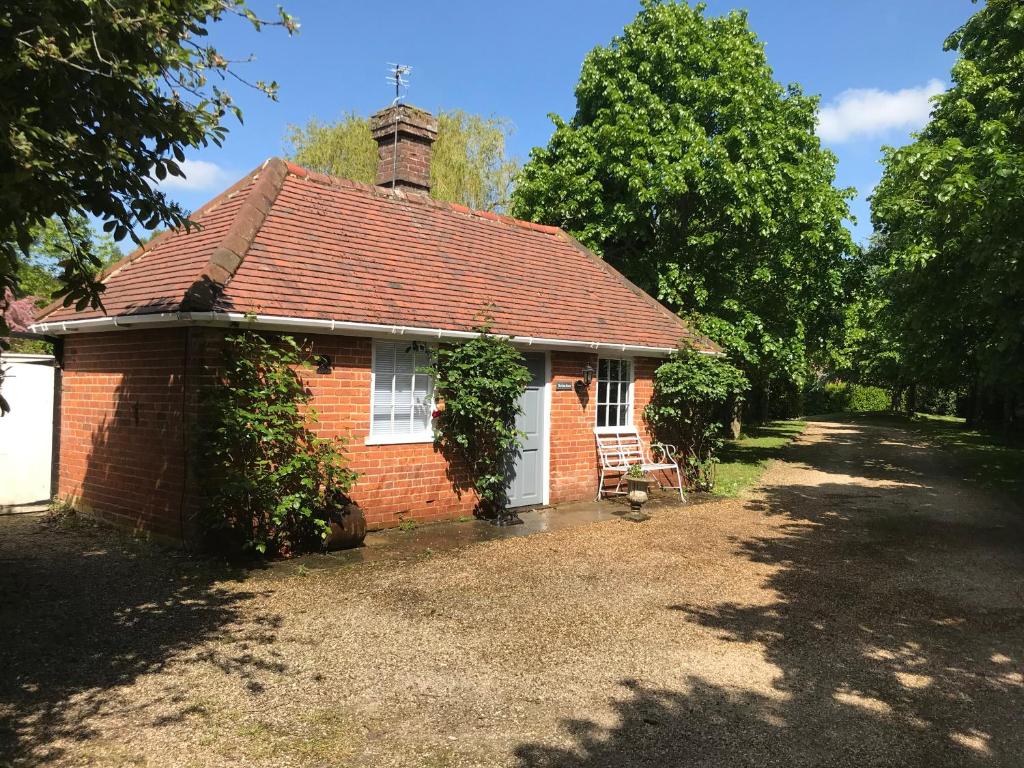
480	381
112	116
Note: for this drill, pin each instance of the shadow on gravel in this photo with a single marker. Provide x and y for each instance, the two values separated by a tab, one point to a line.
85	612
898	631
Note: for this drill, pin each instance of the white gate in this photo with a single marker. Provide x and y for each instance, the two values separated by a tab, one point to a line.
26	433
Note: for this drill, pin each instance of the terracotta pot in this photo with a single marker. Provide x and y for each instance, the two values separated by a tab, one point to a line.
348	527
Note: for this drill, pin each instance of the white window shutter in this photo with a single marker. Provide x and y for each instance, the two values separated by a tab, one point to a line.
383	388
402	395
422	392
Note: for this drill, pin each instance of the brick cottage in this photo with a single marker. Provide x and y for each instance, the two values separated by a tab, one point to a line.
362	272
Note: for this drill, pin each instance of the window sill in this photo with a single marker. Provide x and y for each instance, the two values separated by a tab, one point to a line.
615	430
399	439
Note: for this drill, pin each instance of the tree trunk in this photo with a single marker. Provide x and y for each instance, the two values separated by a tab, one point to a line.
1009	408
972	403
894	399
912	398
761	413
735	424
981	409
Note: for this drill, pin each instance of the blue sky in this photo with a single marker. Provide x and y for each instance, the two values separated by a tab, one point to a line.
874	63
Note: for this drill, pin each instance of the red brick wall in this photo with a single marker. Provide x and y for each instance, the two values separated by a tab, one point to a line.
573	453
396	481
643	390
399	481
574	462
122	437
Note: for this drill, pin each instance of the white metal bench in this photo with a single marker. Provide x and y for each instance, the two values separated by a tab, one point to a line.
621	450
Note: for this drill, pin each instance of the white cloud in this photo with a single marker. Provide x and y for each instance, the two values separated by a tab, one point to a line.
865	112
200	176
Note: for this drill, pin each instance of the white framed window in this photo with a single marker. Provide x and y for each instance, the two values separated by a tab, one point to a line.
614	394
402	396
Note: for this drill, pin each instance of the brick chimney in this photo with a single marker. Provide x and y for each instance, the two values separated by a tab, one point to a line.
403	155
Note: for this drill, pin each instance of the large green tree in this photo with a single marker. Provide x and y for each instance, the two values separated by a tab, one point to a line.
950	207
101	99
469	163
871	351
689	168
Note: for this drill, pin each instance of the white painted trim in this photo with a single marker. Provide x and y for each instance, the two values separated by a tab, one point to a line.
25	357
409	439
629	430
319	325
546	488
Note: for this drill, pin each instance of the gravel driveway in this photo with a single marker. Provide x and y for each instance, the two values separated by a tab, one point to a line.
864	607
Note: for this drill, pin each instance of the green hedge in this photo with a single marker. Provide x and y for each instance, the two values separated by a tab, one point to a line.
839	397
864	399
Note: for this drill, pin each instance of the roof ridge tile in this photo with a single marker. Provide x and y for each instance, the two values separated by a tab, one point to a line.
228	255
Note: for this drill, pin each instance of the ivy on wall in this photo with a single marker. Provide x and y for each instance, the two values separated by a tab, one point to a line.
479	383
269	483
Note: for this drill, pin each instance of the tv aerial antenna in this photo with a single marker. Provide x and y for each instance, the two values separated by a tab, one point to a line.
398	74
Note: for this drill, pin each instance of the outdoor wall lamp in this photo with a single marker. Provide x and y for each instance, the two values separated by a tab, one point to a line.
583	384
323	364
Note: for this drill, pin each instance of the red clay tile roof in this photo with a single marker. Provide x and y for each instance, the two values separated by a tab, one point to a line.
284	241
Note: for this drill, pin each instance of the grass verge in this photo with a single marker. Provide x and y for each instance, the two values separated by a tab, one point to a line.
743	461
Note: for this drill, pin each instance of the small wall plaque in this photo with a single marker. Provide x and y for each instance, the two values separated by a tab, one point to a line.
563	386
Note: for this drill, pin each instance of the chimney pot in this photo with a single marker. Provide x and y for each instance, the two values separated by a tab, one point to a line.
405	136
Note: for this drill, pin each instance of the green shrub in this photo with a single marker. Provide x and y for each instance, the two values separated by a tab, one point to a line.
863	399
479	381
689	392
269	484
841	397
826	398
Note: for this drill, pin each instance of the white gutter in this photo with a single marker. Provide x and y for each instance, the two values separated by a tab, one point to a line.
317	325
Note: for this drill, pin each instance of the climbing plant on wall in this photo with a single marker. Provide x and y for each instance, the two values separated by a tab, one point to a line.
478	383
269	483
